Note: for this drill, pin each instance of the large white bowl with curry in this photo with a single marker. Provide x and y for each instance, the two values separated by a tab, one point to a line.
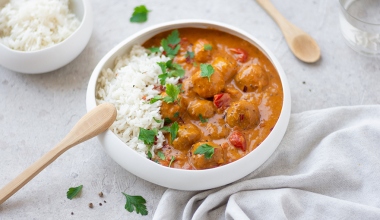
229	122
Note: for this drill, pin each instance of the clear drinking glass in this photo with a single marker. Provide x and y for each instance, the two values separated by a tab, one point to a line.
360	25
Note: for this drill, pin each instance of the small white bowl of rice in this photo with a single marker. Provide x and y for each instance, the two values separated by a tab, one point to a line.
41	36
127	77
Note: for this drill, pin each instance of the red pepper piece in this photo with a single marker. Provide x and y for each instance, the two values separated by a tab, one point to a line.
237	140
241	55
222	100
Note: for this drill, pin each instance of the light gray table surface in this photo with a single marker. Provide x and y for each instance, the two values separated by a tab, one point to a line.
37	111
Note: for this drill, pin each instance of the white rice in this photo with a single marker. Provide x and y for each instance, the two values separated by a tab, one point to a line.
134	77
30	25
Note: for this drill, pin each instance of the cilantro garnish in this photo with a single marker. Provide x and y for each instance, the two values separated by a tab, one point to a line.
161	155
135	203
189	55
203	120
206	150
154	49
149	154
207	70
155	99
140	14
173	130
207	47
171	44
156	120
148	136
167	121
73	191
170	69
176	115
171	161
172	92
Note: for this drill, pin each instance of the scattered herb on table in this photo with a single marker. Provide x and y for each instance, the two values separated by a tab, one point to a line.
73	191
135	203
206	150
140	14
207	70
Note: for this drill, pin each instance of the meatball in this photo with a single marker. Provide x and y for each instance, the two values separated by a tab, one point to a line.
243	114
251	77
201	107
170	110
205	87
202	54
200	161
187	135
226	65
217	130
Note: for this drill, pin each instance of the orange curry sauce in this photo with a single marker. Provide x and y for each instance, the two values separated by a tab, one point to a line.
241	102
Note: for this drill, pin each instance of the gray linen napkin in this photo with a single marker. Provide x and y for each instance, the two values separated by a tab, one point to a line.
326	167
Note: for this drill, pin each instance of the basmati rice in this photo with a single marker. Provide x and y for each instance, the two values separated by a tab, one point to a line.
128	87
30	25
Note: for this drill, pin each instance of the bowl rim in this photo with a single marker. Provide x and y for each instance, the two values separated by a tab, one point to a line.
86	13
277	130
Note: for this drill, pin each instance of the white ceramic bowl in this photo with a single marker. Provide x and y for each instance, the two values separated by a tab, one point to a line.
54	57
188	179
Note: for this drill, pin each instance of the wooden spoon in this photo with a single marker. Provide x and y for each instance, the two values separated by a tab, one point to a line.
91	124
303	46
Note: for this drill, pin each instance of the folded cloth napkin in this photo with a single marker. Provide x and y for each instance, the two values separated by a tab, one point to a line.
326	167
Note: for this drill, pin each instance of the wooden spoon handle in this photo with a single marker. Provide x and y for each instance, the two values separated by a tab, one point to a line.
281	21
93	123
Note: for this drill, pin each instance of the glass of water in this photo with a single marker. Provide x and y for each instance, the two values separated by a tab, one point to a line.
360	25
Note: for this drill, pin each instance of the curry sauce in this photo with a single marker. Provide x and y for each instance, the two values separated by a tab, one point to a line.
227	113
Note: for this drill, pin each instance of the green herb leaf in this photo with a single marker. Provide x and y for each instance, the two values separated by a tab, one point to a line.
207	70
154	49
171	161
155	99
173	130
189	55
163	78
172	92
140	14
207	47
149	154
161	155
156	120
176	115
135	203
203	120
206	150
73	191
148	136
173	38
167	121
176	70
163	66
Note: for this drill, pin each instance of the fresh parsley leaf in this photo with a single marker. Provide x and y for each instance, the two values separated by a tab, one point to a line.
189	55
203	120
176	115
73	191
148	136
206	150
173	130
173	38
170	69
135	203
172	92
171	43
171	161
154	49
162	78
167	121
176	70
155	99
140	14
163	66
207	47
161	155
207	70
149	154
156	120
